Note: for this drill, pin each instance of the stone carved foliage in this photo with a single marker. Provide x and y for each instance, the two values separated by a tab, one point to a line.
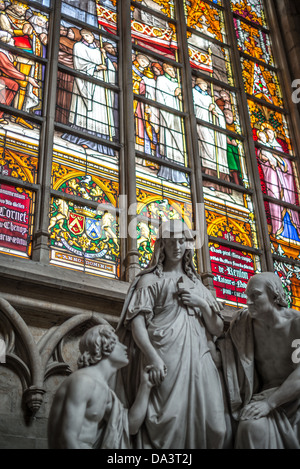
35	361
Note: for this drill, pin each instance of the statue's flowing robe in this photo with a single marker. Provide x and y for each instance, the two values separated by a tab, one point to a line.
187	409
280	428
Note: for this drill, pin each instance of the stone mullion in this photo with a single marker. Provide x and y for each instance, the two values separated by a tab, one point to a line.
258	200
203	255
41	236
129	218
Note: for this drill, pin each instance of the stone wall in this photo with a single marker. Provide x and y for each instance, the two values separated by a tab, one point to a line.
41	327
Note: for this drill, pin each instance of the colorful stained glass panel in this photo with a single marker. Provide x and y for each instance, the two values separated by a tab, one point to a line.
232	270
252	10
149	79
19	154
269	127
88	52
84	239
83	173
253	42
278	176
210	58
107	15
284	226
289	275
162	172
232	218
158	201
206	19
223	157
154	33
89	109
160	133
16	219
261	82
165	7
82	11
215	105
21	81
25	28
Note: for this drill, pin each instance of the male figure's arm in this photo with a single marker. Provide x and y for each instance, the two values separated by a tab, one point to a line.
141	338
138	410
287	392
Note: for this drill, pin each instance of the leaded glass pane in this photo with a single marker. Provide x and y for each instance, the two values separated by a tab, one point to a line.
206	19
289	275
22	74
153	33
210	58
261	82
19	153
252	10
232	269
158	201
253	41
16	220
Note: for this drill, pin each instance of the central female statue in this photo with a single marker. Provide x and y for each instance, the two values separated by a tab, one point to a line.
168	321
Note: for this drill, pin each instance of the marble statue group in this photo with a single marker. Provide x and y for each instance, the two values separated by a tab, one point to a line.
171	377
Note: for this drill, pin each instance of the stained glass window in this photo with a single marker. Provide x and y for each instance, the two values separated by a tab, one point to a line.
232	270
177	103
159	199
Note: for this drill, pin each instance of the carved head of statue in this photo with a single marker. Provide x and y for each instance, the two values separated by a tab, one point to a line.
265	292
168	230
97	342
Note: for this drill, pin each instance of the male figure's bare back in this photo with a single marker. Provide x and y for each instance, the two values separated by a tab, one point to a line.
89	401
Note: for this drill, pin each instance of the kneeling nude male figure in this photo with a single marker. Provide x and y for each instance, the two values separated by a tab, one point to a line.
86	413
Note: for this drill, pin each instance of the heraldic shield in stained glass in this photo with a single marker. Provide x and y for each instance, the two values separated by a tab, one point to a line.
84	239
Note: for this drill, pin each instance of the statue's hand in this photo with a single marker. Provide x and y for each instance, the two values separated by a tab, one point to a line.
145	376
157	371
192	299
255	410
215	305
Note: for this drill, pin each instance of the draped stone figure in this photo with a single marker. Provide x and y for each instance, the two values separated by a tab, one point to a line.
261	369
169	321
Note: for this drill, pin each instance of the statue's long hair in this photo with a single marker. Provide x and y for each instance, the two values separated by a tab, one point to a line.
157	260
156	263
